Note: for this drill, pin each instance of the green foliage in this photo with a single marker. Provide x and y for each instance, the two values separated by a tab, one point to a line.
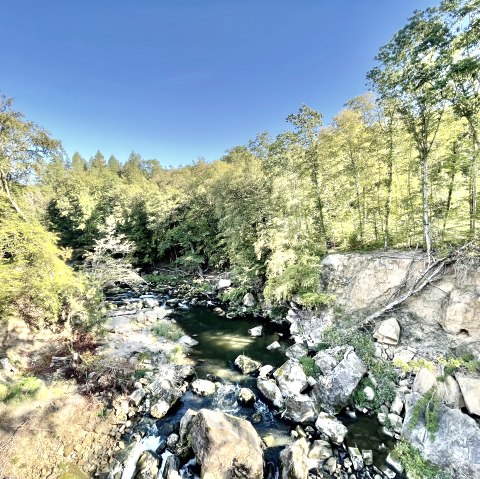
176	355
384	387
302	278
21	389
415	465
309	366
427	409
314	300
361	342
168	330
37	284
139	373
382	371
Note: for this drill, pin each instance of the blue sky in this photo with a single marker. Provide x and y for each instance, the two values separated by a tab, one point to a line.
177	80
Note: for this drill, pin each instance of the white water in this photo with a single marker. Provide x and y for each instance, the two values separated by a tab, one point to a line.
148	443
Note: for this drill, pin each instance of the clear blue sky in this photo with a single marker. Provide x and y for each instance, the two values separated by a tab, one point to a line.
176	80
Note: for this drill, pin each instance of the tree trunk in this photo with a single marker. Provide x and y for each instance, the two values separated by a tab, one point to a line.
389	191
450	190
6	189
427	238
473	177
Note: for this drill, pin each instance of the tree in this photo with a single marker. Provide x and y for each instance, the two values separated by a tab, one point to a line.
410	75
24	147
98	161
307	123
114	165
462	66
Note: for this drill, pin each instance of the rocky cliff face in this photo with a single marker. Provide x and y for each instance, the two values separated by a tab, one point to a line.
445	312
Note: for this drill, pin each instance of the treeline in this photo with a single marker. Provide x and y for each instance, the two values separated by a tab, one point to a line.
392	170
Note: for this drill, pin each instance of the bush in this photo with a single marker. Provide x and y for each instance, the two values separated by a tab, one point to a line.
36	282
415	465
314	300
168	330
427	408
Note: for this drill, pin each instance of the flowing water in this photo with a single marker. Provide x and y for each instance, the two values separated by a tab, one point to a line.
220	341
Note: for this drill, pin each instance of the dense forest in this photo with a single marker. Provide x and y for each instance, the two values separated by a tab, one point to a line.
395	168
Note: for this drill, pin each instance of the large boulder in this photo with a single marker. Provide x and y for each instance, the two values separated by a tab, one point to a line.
470	388
331	427
291	378
333	390
319	452
388	332
296	351
424	380
269	389
147	466
456	443
294	460
164	396
226	446
300	409
203	387
246	364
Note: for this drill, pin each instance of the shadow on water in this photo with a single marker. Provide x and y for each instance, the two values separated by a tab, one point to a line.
222	339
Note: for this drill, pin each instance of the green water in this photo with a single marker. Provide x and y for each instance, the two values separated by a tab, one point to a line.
222	339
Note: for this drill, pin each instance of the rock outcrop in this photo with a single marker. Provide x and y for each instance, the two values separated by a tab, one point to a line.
456	444
333	391
226	446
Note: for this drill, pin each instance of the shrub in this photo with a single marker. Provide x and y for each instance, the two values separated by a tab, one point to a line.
427	408
313	300
168	330
309	366
415	465
36	282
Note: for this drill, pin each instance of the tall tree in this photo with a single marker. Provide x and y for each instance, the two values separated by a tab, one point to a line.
462	65
410	74
24	146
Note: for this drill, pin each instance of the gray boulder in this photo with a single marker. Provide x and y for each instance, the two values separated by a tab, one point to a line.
291	378
470	388
331	427
249	300
294	460
246	396
246	364
226	446
188	341
456	444
256	332
203	387
333	390
388	332
300	409
296	351
147	466
270	390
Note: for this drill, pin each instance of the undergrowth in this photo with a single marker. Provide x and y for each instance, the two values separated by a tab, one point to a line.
415	465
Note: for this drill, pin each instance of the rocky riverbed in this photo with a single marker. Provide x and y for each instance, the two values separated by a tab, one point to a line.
226	404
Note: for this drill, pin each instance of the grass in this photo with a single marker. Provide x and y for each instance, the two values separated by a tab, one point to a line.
168	330
415	465
309	366
176	355
23	388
